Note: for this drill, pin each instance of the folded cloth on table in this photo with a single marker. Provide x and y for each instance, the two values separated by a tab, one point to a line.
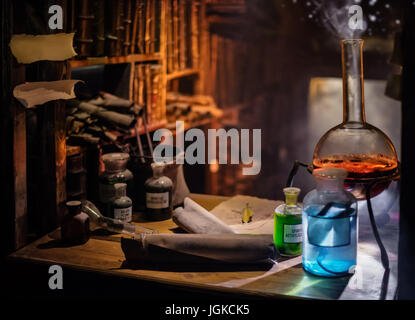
199	248
195	219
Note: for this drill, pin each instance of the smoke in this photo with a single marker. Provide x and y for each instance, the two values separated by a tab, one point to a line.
336	18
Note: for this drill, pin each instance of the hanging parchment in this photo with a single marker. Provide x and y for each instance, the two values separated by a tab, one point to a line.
31	94
53	47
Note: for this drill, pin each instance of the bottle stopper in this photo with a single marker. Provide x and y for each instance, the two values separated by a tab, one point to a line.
158	168
291	195
74	207
115	161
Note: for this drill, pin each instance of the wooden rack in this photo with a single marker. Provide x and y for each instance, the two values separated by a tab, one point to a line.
193	73
133	58
38	156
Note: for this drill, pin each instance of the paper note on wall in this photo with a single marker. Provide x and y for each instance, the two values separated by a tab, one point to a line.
31	94
53	47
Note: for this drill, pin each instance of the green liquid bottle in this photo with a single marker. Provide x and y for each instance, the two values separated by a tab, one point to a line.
288	233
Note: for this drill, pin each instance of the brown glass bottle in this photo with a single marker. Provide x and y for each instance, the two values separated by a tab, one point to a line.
115	172
158	194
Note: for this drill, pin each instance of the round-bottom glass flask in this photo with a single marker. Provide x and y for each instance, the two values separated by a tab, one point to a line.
330	228
354	145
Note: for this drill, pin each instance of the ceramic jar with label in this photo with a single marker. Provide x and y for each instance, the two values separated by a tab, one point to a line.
158	194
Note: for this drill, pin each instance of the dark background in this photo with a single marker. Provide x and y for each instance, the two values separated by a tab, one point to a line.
267	53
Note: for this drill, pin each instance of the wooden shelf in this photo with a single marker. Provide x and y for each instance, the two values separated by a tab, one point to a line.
150	127
73	150
114	60
189	125
182	73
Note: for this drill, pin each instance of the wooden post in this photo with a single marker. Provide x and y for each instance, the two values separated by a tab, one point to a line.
212	170
182	39
195	30
47	175
12	143
19	157
202	56
19	174
406	257
163	57
176	35
60	159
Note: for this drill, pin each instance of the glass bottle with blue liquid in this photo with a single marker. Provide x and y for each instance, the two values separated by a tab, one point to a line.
330	228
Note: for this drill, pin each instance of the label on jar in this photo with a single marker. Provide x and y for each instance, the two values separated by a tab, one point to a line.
293	233
157	200
106	192
328	232
123	214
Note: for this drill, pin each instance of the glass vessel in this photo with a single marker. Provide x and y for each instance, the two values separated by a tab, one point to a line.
330	226
288	232
121	205
362	149
115	172
75	225
158	194
112	225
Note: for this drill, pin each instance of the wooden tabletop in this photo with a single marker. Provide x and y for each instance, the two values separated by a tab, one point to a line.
103	254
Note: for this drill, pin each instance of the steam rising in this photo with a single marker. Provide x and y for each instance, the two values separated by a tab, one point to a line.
335	17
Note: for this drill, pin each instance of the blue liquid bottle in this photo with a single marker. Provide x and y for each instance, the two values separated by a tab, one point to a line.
330	228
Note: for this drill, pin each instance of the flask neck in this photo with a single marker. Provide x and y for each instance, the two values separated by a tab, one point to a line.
157	173
353	90
331	185
158	170
112	170
291	199
120	190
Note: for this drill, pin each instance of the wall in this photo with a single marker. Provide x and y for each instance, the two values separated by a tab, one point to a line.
263	56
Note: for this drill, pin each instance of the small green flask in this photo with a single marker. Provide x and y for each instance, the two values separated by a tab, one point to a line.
288	233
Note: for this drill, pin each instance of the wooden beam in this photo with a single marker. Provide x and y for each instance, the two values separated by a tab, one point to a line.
163	56
406	257
19	174
47	136
17	152
204	49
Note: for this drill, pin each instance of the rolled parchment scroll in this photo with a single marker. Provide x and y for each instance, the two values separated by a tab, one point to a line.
124	120
195	219
199	248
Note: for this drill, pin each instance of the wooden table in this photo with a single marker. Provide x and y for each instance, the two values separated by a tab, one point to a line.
102	255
